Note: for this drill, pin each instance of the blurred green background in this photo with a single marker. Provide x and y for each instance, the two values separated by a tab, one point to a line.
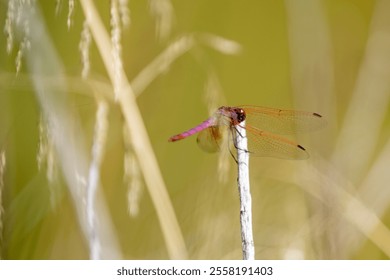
330	57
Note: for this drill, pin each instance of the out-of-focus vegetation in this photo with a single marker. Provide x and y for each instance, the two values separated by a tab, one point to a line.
183	59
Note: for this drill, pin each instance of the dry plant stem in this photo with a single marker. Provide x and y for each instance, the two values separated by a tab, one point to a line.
93	182
42	61
90	87
161	63
314	177
139	137
99	142
248	249
368	106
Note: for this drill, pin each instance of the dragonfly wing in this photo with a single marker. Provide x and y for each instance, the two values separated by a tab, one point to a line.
213	138
283	121
263	143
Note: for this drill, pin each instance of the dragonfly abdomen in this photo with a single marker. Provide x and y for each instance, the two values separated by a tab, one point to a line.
191	131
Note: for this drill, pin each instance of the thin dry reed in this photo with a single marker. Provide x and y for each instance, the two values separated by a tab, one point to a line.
142	147
339	188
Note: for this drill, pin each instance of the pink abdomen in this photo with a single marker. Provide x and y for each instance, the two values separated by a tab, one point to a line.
191	131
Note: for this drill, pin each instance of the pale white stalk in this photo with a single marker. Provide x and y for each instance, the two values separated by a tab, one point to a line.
98	146
248	249
42	61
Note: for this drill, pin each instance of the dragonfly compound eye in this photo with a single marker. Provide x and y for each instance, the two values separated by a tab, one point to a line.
241	116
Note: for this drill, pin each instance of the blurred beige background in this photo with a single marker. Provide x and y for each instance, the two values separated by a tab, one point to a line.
184	59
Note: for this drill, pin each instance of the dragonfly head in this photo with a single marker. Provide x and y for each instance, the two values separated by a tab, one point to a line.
235	115
240	114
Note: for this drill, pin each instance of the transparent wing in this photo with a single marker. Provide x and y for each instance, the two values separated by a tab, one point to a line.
213	139
282	121
266	144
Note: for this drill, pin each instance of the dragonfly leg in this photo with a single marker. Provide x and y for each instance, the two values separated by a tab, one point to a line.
233	156
235	133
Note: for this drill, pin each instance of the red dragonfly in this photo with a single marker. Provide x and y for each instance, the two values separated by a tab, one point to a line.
262	125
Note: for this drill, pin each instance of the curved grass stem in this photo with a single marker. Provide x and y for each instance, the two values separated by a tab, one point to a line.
138	134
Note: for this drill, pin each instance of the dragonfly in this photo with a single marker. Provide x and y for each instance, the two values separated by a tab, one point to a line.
265	129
